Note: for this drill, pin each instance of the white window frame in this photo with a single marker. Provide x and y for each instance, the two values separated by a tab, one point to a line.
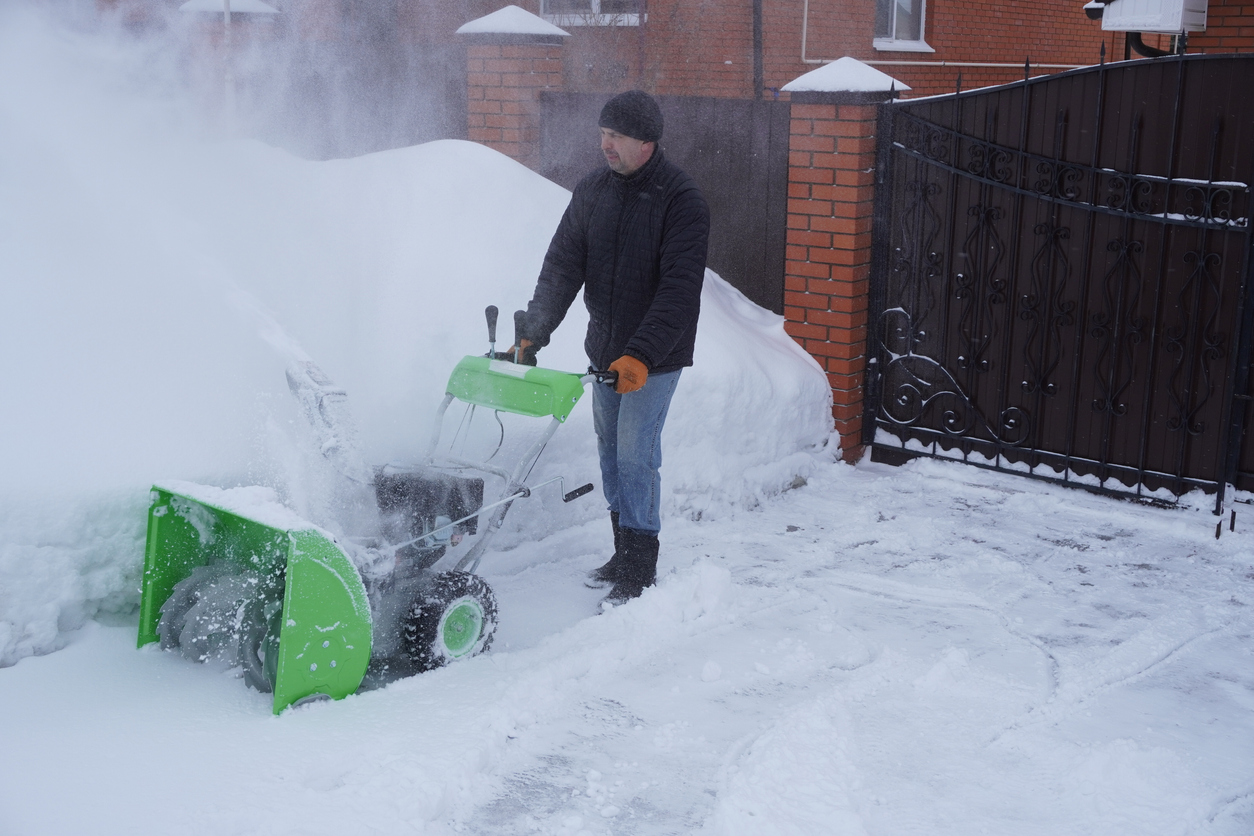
901	45
593	17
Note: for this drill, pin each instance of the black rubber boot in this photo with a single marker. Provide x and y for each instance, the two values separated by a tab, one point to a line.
608	573
640	570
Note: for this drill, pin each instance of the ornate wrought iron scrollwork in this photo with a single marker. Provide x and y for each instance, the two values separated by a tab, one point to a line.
1015	426
1210	204
1129	193
1178	339
916	264
978	288
1118	328
914	385
925	138
1046	309
991	162
1058	179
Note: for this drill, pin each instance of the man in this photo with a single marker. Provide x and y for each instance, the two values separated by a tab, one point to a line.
634	239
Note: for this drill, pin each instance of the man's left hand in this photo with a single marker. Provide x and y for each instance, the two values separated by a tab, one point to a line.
631	374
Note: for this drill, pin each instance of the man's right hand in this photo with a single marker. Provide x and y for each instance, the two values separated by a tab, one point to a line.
526	356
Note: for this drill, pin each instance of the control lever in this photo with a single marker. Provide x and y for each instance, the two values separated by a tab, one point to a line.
491	313
520	317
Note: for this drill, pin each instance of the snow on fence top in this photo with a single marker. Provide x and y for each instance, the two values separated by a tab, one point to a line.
845	75
511	20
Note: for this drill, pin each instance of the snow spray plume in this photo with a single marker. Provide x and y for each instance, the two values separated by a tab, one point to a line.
324	86
338	497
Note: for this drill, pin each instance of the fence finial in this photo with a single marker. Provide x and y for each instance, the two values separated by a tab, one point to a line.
1102	62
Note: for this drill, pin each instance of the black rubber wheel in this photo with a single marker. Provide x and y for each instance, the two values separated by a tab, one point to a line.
453	617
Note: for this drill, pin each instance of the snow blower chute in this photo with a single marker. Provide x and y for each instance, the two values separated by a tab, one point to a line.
235	576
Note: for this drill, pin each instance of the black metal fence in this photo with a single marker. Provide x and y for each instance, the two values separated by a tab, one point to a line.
736	150
1062	276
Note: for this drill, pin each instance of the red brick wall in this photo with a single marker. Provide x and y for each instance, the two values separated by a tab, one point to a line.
828	257
705	47
503	96
686	46
700	48
603	59
1229	28
963	31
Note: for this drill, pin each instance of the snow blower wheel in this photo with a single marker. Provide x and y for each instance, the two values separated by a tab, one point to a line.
453	618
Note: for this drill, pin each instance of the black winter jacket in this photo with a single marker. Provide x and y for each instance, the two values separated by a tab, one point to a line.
637	247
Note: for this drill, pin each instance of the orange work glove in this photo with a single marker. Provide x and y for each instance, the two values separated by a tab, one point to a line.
527	355
631	374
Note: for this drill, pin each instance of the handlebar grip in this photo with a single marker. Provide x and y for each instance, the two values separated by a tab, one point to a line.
520	319
604	376
491	313
578	492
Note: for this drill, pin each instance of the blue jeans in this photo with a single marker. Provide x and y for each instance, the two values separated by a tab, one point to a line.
629	441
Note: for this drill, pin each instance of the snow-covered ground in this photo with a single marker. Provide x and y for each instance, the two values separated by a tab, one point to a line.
932	649
927	650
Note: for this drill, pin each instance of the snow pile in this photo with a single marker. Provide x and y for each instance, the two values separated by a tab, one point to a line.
65	559
158	285
746	415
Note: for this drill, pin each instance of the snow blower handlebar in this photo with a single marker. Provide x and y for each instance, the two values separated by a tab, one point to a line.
605	376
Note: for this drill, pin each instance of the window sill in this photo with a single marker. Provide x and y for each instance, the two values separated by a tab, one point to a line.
590	19
890	45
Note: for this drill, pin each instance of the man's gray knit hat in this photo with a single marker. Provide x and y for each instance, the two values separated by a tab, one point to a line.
634	114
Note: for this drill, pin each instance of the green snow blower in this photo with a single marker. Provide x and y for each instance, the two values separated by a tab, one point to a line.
235	577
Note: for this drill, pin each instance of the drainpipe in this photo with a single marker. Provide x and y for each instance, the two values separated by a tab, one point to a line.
759	76
1135	41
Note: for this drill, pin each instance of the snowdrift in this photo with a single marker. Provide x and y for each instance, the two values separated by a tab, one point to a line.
157	284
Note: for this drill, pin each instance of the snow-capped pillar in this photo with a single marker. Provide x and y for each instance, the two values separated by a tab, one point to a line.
512	55
831	196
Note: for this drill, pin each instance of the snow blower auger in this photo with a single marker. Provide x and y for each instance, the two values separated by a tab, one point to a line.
235	577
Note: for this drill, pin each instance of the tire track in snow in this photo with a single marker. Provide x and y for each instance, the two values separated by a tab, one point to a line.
1227	803
899	591
1129	663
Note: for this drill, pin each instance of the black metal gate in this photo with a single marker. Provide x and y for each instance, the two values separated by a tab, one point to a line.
1062	276
736	150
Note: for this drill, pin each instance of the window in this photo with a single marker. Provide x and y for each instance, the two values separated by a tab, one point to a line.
899	26
593	12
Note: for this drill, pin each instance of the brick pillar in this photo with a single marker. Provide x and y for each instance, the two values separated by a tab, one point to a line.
504	80
831	173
